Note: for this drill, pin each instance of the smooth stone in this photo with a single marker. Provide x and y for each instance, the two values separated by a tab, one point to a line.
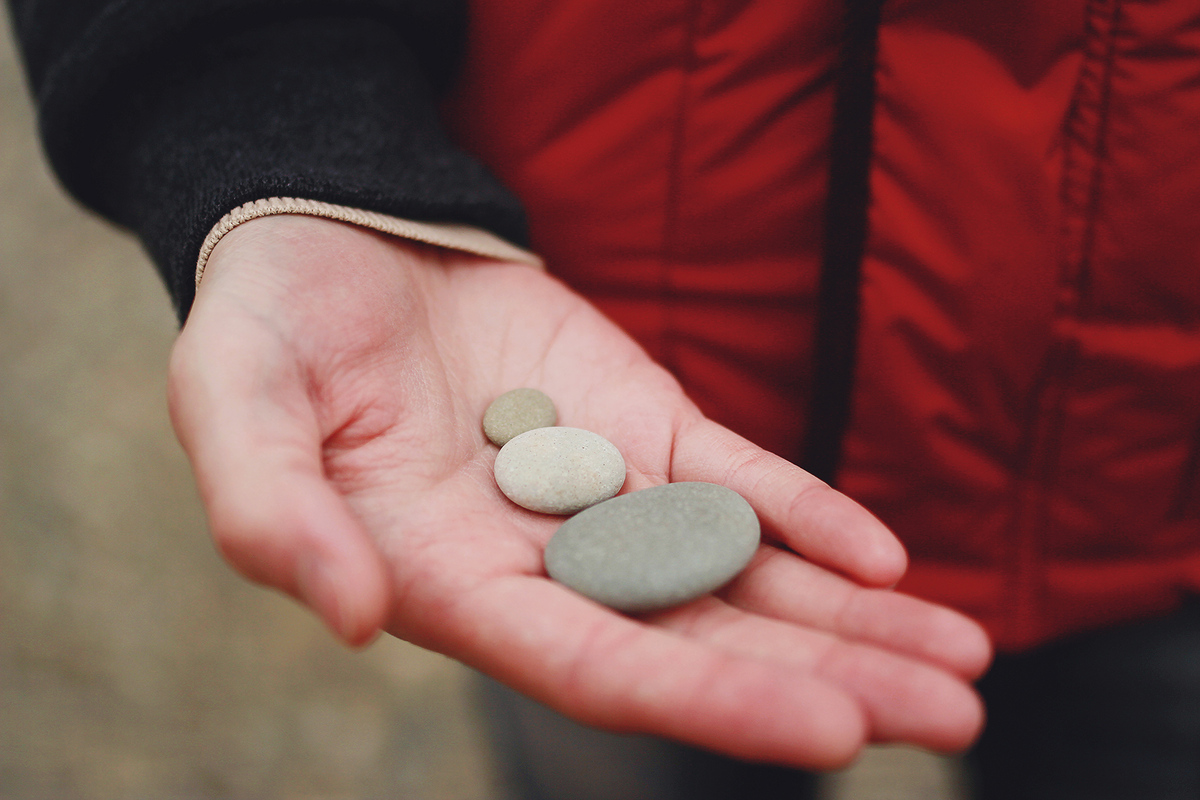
515	412
559	470
657	548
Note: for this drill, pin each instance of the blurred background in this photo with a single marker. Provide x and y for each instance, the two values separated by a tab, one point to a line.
133	663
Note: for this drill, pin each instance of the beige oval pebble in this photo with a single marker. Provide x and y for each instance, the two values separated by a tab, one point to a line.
516	412
559	470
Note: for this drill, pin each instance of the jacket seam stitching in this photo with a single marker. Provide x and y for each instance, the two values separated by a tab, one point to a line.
1085	147
669	246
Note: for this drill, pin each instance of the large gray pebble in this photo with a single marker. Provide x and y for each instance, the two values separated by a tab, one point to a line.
559	470
515	412
657	548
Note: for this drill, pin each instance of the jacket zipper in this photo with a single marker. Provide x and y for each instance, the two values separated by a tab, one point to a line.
846	228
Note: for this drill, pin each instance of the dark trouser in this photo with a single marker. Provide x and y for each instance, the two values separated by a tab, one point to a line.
1109	715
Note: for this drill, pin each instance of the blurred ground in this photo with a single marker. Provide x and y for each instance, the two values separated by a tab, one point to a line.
133	663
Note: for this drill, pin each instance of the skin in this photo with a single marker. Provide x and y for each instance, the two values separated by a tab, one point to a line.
328	389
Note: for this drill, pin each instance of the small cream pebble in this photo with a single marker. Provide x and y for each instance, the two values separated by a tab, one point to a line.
516	412
559	470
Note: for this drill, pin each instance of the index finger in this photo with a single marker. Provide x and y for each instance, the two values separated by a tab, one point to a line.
796	509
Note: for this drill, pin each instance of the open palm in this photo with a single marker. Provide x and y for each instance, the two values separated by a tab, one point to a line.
328	388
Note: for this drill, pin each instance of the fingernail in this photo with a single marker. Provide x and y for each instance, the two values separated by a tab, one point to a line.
320	591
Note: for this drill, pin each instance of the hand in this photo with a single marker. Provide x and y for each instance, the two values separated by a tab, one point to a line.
328	388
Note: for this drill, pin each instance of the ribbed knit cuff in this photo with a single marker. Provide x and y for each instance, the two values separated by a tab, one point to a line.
465	238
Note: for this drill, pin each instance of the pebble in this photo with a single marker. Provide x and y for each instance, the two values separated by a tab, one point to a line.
559	470
656	548
515	412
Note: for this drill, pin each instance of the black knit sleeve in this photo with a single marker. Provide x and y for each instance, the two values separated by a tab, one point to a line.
163	115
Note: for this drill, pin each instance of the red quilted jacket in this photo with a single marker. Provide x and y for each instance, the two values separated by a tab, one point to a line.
1025	410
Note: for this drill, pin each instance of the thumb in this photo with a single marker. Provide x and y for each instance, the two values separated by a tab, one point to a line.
251	433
